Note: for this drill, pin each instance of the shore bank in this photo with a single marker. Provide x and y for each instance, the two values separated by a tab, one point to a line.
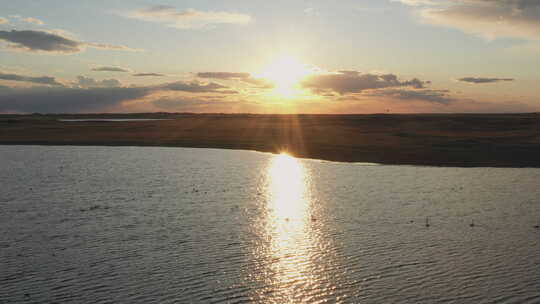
462	140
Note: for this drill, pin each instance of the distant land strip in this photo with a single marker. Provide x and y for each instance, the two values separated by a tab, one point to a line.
459	140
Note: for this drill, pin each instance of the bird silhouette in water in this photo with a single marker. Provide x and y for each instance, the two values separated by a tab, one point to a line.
427	222
472	223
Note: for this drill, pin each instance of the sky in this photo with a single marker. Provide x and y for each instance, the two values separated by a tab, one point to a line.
280	56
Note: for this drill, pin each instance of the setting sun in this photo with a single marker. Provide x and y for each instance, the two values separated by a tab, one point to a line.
286	72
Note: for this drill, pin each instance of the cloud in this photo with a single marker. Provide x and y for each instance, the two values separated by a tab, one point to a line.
346	82
111	47
66	100
33	20
187	19
87	94
50	42
148	75
416	2
40	41
87	82
311	11
434	96
110	69
198	87
3	20
223	75
47	80
479	80
490	19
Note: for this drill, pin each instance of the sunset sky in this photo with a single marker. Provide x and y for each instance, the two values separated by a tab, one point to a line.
281	56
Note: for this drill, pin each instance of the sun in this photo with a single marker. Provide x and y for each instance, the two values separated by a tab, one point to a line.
286	72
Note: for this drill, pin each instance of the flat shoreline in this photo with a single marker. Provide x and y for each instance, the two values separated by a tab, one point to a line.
450	140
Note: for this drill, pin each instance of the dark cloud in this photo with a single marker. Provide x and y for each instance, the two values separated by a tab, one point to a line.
346	82
148	75
91	95
110	69
198	87
434	96
41	41
479	80
39	80
66	100
87	94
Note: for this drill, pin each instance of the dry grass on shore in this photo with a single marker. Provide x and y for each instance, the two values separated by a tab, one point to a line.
510	140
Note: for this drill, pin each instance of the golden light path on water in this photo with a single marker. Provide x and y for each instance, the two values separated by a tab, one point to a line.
294	264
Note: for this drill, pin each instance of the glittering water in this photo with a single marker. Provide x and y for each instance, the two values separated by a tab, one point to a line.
171	225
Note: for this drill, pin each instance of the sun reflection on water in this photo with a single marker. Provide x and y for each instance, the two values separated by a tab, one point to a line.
294	257
289	252
287	189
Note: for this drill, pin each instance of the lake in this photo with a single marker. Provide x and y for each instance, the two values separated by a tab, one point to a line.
175	225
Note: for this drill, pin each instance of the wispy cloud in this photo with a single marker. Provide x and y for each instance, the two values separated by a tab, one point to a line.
223	75
33	20
111	69
111	47
187	19
311	11
490	19
416	2
243	77
148	75
480	80
51	42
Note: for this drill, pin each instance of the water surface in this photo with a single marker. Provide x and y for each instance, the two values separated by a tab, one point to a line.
174	225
